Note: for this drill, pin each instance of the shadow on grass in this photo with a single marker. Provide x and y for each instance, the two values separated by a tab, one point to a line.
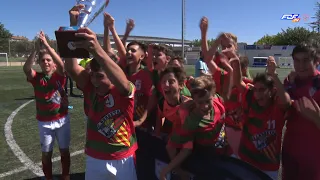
75	176
26	98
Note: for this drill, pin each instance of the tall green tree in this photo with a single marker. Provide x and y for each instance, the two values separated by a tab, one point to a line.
290	36
266	40
315	25
5	36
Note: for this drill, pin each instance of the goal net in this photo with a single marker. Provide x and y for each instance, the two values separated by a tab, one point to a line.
4	59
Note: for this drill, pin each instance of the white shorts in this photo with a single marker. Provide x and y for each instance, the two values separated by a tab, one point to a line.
272	174
123	169
59	129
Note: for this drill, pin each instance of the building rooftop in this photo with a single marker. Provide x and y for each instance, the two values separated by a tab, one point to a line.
149	39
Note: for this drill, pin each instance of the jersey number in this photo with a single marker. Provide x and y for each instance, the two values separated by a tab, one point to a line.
271	124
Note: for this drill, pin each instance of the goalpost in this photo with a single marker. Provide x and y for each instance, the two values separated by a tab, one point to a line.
4	55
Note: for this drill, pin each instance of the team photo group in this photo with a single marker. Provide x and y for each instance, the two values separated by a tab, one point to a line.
141	107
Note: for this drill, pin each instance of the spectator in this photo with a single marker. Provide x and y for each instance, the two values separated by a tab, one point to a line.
201	67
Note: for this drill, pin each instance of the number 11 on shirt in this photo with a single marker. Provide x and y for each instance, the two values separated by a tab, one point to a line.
271	124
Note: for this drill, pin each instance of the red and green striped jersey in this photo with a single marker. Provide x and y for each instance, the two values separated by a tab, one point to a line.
219	77
49	93
143	84
302	135
260	143
171	113
233	107
110	129
205	132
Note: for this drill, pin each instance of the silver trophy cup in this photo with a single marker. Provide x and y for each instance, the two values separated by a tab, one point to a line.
92	8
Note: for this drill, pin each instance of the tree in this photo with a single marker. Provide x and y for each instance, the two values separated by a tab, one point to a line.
316	24
197	42
21	48
266	40
5	36
51	42
290	36
293	36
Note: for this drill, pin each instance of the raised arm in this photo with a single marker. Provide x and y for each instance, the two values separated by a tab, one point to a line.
235	64
112	70
204	23
284	98
129	28
75	71
227	86
109	21
56	58
106	40
27	67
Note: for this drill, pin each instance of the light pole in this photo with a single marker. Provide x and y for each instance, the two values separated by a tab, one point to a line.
183	27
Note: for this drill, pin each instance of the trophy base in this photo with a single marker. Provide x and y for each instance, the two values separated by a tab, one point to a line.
65	37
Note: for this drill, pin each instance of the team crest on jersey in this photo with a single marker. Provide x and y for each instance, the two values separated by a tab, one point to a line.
109	101
138	84
113	127
266	143
56	97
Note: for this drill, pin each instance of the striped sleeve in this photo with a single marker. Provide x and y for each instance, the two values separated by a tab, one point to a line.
33	81
182	136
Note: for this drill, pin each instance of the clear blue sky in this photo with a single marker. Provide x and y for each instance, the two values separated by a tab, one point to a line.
248	19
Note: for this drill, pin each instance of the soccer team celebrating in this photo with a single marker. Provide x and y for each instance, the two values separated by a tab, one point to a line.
145	88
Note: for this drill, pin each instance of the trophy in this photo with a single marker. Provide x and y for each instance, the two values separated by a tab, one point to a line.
66	35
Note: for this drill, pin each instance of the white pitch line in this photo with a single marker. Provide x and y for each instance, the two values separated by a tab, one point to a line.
24	159
24	168
14	171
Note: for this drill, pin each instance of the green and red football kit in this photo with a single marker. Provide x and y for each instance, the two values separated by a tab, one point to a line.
234	111
205	132
219	77
170	113
143	84
300	150
110	129
49	94
260	143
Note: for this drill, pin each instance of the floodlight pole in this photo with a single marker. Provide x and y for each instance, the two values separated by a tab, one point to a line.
183	28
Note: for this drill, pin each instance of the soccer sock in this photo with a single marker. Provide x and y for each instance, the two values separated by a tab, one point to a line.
65	163
47	168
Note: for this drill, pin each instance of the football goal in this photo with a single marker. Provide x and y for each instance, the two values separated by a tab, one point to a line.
4	59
